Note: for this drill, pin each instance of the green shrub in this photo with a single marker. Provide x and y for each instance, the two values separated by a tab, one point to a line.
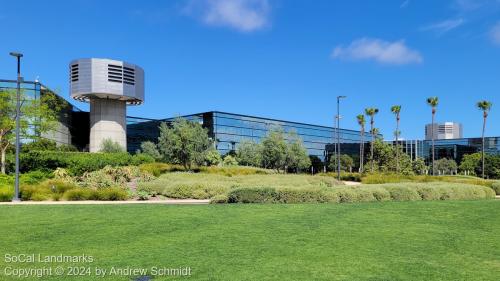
111	146
6	180
194	191
253	195
364	195
496	187
79	194
430	192
235	170
76	163
403	193
380	194
230	161
147	189
157	169
48	189
219	199
381	178
6	194
347	195
436	191
142	195
41	196
306	195
140	158
345	176
34	177
111	194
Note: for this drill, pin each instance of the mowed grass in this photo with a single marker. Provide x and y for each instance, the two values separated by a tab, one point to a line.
432	240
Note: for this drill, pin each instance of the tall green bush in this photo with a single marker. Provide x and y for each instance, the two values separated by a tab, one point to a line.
183	142
77	163
111	146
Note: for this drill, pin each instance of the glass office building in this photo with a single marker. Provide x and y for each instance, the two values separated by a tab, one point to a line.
227	130
449	148
73	125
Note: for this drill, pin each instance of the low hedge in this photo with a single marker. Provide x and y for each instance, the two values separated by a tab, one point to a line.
156	169
366	193
344	176
56	190
381	178
108	194
78	163
496	187
6	193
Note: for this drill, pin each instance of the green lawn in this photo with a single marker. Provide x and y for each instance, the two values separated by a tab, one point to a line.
431	240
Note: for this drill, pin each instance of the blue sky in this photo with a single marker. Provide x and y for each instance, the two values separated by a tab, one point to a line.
276	58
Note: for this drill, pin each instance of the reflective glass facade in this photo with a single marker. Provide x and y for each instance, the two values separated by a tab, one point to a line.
228	130
73	124
450	148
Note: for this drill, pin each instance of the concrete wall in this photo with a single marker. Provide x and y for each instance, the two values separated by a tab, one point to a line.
107	121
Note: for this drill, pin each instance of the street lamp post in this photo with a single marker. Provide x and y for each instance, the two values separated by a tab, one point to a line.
338	134
18	117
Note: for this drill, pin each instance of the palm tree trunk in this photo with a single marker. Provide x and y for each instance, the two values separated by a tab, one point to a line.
397	145
433	155
371	146
482	150
361	150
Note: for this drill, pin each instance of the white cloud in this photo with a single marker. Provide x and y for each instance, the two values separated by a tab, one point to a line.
469	5
495	34
385	52
242	15
444	26
404	4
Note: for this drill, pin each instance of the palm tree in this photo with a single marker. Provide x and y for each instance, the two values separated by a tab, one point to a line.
433	102
361	122
371	111
396	109
485	106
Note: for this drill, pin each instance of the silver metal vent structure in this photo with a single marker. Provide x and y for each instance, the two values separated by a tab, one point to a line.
108	85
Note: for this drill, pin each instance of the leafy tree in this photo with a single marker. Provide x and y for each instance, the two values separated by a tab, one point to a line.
316	164
396	110
361	123
371	112
418	166
184	142
433	103
384	159
346	163
274	150
446	166
470	163
111	146
212	157
230	161
484	106
297	157
492	170
38	116
150	148
249	153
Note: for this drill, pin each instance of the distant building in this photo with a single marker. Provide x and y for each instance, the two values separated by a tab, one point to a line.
444	131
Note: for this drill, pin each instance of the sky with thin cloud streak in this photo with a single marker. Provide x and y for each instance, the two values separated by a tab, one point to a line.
273	58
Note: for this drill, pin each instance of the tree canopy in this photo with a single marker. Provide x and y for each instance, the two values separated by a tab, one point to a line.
183	142
38	116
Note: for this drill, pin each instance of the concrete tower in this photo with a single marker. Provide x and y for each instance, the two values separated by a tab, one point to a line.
109	86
